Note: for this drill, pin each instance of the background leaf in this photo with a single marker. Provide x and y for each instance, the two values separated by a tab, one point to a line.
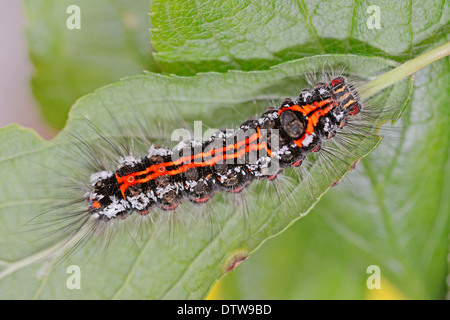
219	35
112	43
157	267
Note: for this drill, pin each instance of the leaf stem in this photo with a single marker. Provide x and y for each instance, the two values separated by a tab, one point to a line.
389	78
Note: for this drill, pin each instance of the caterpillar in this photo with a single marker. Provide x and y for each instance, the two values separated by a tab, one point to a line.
228	161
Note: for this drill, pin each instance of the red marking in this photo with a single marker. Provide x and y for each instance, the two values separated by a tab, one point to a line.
237	190
355	164
316	148
130	179
355	110
237	261
169	207
272	177
336	183
96	204
202	200
335	82
144	212
298	163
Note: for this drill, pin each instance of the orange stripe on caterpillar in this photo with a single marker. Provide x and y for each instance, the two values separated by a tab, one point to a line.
128	180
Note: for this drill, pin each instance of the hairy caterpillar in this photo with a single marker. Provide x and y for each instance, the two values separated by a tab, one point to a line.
117	182
228	161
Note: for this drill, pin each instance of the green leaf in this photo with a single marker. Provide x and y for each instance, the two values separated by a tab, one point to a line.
112	43
393	212
185	262
219	35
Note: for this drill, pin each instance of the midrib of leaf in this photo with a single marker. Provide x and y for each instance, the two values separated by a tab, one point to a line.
16	265
351	28
311	28
411	29
211	31
42	283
